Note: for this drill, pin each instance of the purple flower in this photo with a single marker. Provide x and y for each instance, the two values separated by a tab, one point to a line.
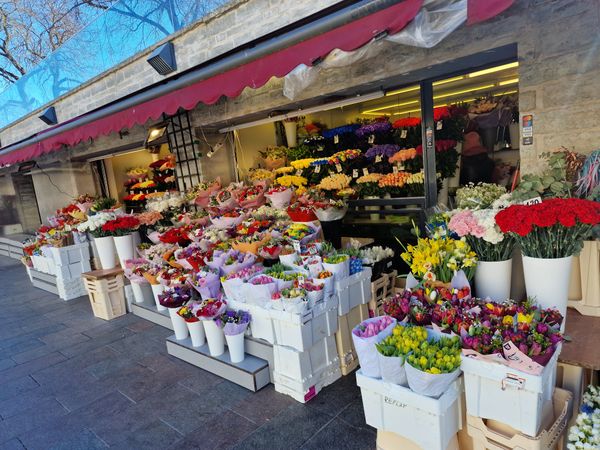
374	128
382	150
541	328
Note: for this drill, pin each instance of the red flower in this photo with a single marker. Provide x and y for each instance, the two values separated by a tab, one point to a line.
407	122
441	112
121	224
176	236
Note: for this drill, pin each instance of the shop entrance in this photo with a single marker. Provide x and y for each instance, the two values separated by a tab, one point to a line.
26	200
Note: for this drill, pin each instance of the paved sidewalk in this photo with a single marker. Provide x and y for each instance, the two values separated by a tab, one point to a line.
71	381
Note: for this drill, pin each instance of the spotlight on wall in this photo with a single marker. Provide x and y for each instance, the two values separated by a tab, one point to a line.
157	135
214	149
163	59
49	116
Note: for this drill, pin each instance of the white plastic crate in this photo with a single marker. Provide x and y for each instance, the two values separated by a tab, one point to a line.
70	289
429	422
261	323
71	254
302	331
515	398
303	391
353	291
302	366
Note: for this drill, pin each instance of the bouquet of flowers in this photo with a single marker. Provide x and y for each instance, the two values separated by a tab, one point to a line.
200	194
555	228
439	259
377	127
210	308
121	226
368	185
403	155
172	277
382	151
233	322
135	268
483	234
94	223
585	434
393	350
149	218
175	297
478	196
251	196
230	261
207	283
279	196
227	219
274	157
179	236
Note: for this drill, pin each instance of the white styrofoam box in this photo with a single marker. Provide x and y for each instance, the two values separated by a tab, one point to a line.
515	398
70	289
302	366
302	331
429	422
353	290
71	254
44	264
303	391
73	270
261	323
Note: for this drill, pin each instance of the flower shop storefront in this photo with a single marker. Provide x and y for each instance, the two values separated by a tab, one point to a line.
254	281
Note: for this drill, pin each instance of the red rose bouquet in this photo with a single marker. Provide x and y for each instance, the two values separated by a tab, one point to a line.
555	228
121	226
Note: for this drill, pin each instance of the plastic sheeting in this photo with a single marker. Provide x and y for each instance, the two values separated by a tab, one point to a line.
434	22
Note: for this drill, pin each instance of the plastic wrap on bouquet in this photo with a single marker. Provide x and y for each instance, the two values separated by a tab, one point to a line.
208	284
330	214
233	289
280	200
327	283
429	384
259	290
251	247
302	214
129	270
339	270
288	259
224	222
154	237
230	261
203	197
393	369
365	346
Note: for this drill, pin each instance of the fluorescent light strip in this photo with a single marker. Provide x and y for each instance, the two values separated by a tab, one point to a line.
507	82
390	106
402	91
301	112
493	69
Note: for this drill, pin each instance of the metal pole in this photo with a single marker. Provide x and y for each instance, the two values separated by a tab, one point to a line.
428	142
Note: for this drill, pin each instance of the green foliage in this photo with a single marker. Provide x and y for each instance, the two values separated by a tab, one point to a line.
551	183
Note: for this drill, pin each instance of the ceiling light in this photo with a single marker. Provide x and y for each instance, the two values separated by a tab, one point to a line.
157	135
451	94
511	81
449	80
493	69
302	112
402	91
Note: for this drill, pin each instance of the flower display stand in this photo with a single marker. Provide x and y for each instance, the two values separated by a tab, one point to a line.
106	293
586	272
429	423
495	436
381	288
253	372
65	289
343	337
515	398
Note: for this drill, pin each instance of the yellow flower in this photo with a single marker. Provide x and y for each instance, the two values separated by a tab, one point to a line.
301	163
285	169
507	320
291	180
524	318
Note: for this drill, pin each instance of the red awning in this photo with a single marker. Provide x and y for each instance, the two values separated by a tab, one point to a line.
253	74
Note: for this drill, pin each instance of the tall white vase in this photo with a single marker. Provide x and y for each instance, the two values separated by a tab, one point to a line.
235	344
291	131
124	246
142	292
492	279
214	337
547	280
105	247
197	334
158	289
179	326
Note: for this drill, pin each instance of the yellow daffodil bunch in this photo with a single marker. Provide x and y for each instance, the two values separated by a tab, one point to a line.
300	164
416	178
283	170
335	182
439	259
291	180
261	174
346	192
437	357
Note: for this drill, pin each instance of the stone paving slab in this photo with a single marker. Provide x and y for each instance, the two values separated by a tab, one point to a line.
69	380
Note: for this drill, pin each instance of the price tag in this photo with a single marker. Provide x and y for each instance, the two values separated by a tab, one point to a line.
439	125
317	168
378	158
299	172
395	169
365	171
403	134
533	201
338	167
300	280
371	139
354	173
336	139
296	246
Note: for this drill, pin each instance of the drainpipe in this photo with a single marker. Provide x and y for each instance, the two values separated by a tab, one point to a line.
271	45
